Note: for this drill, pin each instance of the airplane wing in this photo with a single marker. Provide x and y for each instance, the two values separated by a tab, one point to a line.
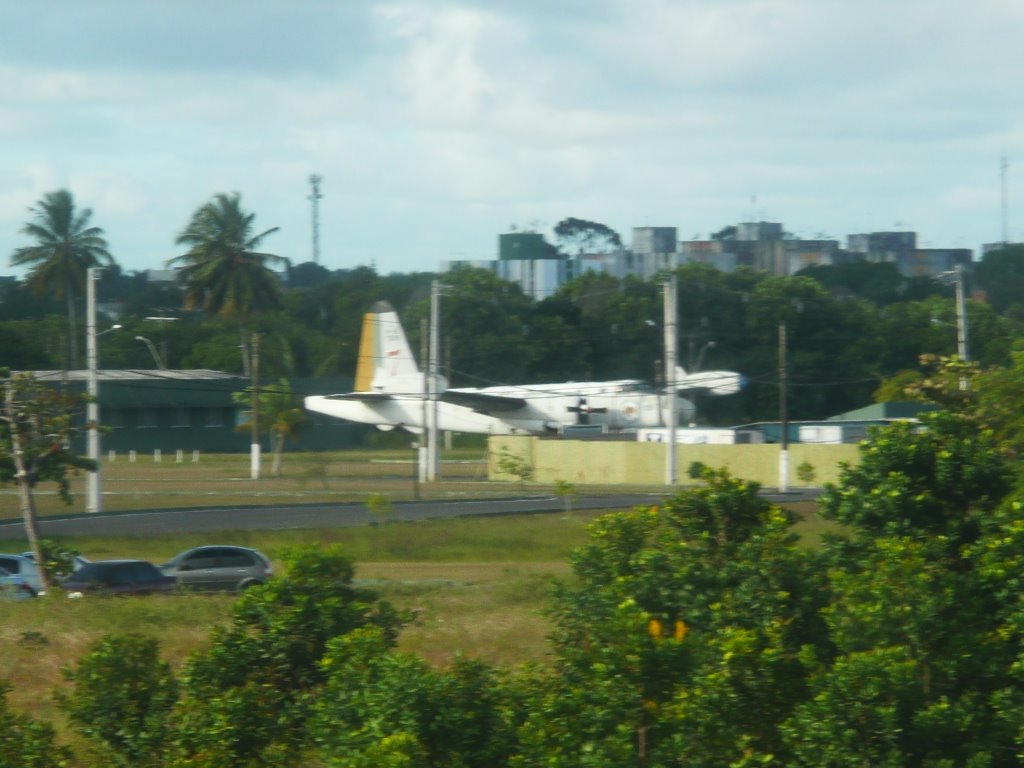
364	396
482	402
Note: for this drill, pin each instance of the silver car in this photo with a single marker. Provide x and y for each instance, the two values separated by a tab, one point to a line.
219	567
14	587
24	565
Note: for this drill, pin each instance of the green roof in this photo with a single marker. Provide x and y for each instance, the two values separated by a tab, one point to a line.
909	409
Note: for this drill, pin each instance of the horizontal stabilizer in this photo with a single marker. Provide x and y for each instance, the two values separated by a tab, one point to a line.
482	402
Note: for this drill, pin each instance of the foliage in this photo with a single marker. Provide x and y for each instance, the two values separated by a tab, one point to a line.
567	492
121	696
25	743
475	299
679	643
515	464
380	505
586	236
36	427
245	697
1001	273
378	705
222	271
66	247
917	612
805	472
280	414
42	418
879	282
842	343
1000	392
58	558
897	387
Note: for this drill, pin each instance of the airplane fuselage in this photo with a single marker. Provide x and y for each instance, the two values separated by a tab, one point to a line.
624	405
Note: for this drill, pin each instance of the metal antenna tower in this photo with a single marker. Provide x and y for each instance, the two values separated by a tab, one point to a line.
1006	226
315	198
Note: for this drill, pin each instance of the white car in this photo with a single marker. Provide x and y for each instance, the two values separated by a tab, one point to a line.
24	565
14	587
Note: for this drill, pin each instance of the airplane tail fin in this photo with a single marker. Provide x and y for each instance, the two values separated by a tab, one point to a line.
710	382
385	361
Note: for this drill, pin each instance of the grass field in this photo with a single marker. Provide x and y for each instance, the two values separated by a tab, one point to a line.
477	586
224	479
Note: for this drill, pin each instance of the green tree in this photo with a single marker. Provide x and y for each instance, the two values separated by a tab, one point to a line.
222	271
679	642
25	743
919	623
121	696
831	348
66	247
486	319
280	414
1001	274
36	427
246	697
383	707
586	236
1000	393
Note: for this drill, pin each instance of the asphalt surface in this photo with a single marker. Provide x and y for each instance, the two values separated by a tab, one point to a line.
314	516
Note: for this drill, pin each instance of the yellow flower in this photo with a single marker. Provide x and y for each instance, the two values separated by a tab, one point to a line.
654	629
681	630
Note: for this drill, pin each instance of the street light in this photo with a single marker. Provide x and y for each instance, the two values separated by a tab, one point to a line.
152	351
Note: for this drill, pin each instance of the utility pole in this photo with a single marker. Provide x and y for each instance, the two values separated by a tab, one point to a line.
315	198
422	453
671	342
433	455
93	492
961	323
254	442
783	413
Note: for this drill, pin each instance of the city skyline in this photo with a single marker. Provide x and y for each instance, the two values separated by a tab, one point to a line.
437	126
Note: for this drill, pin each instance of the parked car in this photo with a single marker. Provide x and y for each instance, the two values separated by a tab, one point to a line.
219	567
118	577
14	587
24	564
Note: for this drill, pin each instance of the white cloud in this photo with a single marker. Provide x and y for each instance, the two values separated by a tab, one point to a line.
452	119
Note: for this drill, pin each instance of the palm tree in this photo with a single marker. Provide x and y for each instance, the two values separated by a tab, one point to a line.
222	271
66	248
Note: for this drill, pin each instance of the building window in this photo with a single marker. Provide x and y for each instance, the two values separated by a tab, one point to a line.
181	417
113	418
214	417
147	418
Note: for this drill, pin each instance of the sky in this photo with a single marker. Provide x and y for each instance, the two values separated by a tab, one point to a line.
436	125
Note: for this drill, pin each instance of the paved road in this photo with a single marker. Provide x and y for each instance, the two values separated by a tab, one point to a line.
163	521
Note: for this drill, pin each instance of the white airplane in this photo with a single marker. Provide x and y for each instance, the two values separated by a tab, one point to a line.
391	392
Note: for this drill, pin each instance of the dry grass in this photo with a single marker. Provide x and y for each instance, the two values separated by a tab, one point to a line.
490	611
224	480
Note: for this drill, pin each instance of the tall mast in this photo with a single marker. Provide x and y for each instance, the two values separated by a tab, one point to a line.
315	197
1003	168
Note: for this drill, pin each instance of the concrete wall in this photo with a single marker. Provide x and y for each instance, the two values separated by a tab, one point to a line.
632	463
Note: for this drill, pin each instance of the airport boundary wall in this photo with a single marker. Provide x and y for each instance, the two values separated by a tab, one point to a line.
596	462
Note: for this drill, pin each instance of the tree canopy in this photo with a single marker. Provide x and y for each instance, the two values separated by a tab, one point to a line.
222	271
584	236
66	247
